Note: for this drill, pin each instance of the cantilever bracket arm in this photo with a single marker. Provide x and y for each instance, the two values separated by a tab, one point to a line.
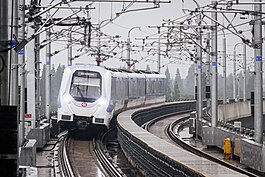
25	41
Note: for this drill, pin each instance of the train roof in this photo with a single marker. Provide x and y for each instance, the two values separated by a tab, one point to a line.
131	71
121	70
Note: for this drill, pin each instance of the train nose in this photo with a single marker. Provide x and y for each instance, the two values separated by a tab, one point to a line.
81	124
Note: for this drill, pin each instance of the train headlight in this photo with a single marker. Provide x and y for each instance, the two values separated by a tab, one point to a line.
67	99
102	101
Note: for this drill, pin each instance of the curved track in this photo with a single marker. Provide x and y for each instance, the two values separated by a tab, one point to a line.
169	128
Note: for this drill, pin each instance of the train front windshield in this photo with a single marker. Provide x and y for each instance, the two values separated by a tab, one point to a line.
86	86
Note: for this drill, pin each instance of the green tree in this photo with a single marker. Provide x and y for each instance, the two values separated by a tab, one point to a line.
189	84
42	91
168	86
176	93
55	85
180	83
148	68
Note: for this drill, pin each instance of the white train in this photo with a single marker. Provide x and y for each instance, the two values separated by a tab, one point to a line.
91	95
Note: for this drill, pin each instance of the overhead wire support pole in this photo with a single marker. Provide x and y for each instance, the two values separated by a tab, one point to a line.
13	55
21	72
214	91
70	49
199	71
258	98
37	67
98	59
159	54
48	77
208	70
245	72
4	86
234	73
129	47
224	67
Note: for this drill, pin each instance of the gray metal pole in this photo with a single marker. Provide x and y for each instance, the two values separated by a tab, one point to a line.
235	79
234	74
21	71
48	78
159	55
224	69
244	73
37	65
129	47
31	90
199	64
14	58
4	55
238	88
258	102
98	59
197	103
214	87
70	50
128	54
199	71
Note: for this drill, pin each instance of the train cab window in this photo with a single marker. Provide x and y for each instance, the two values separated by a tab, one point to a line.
86	86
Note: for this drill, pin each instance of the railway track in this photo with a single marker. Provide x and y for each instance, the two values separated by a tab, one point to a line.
171	126
64	162
86	158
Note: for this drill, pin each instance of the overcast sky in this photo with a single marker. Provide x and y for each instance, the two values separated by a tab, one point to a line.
126	21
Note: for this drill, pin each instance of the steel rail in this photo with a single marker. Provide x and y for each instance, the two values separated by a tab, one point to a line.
108	166
64	162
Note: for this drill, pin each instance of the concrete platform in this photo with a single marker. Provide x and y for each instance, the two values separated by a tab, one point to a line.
202	166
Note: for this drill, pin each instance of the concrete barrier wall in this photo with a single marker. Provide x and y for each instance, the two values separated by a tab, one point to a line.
233	111
236	110
253	155
41	134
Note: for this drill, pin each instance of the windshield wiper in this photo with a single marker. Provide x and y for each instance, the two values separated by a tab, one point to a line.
81	94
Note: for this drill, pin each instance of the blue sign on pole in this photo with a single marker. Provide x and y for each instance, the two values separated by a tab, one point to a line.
21	52
214	63
12	43
199	66
259	58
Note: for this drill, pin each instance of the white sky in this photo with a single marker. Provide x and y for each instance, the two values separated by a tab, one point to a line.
143	19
